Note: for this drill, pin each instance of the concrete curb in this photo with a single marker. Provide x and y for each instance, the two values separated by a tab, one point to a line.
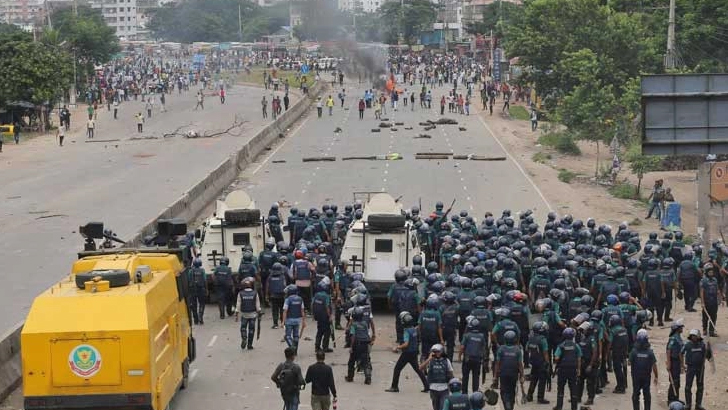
187	207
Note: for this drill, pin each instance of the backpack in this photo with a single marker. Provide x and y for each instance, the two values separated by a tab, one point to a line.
287	380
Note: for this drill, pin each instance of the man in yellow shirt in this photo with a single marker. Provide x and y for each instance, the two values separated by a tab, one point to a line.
330	105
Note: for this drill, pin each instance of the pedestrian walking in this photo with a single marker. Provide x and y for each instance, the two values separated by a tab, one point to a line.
286	101
140	122
264	106
360	341
323	387
443	100
342	96
200	100
506	103
362	107
509	369
534	119
321	309
330	105
656	200
162	103
116	109
222	95
60	135
90	126
674	367
319	107
289	380
294	319
90	111
473	345
409	349
16	132
149	107
711	296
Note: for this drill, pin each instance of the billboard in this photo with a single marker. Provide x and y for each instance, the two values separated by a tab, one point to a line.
684	114
719	181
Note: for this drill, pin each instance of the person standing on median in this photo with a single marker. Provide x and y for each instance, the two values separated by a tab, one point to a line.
321	377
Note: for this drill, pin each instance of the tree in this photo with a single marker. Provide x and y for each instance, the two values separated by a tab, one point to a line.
416	17
87	34
32	71
494	13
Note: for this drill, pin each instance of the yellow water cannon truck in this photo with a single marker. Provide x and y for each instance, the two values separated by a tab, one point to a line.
114	334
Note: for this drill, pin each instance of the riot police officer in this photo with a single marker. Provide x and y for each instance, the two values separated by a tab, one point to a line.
568	368
360	340
474	346
711	296
223	279
266	259
587	340
275	292
198	291
410	349
430	325
617	350
394	298
509	368
294	318
643	364
672	361
540	360
321	308
456	400
687	276
248	306
439	372
694	354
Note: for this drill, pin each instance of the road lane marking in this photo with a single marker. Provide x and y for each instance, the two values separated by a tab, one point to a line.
193	373
212	341
265	161
508	154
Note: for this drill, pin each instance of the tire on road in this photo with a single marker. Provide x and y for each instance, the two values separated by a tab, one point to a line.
243	216
385	221
116	277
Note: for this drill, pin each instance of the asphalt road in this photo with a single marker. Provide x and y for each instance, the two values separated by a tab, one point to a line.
48	191
477	186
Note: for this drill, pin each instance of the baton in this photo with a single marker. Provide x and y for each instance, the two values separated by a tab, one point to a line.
259	316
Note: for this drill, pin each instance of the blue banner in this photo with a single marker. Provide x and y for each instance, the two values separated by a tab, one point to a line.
497	56
304	68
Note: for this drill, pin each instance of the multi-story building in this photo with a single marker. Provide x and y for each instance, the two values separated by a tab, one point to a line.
23	13
120	15
366	6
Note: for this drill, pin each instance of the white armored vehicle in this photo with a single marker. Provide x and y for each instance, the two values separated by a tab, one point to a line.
379	243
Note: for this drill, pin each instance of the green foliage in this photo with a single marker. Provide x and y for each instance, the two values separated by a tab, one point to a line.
216	20
32	71
541	157
517	112
86	34
496	16
416	17
624	190
566	176
562	142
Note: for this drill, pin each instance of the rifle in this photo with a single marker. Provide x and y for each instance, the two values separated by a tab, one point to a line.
260	315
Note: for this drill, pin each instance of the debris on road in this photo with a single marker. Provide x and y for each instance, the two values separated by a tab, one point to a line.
462	128
385	124
423	136
430	127
384	119
408	128
279	161
319	159
446	121
111	140
337	130
473	157
440	156
388	157
376	130
393	129
143	138
425	124
398	123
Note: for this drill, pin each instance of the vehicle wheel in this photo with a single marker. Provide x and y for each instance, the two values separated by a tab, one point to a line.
243	216
116	277
386	221
185	374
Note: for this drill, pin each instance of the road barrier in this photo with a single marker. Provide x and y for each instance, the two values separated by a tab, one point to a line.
186	207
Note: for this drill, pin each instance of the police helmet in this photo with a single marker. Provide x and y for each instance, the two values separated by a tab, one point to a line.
540	327
675	405
466	283
509	337
678	324
432	267
224	261
641	335
357	313
439	205
437	348
273	219
615	320
568	333
612	299
473	324
503	312
694	333
248	282
197	262
448	297
248	256
291	290
270	244
480	302
433	302
668	262
477	400
400	275
596	315
587	301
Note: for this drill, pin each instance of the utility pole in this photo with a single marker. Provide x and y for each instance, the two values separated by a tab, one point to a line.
72	91
240	24
670	57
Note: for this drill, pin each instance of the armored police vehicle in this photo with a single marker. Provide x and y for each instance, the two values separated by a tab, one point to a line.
379	243
236	223
115	333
